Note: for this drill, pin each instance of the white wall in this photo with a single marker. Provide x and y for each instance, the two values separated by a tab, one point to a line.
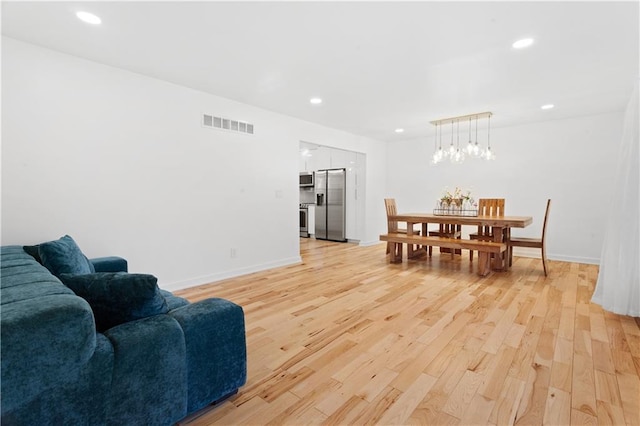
571	161
120	162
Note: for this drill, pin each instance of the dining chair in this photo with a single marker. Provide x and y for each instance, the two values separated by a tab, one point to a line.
487	207
447	230
532	242
392	225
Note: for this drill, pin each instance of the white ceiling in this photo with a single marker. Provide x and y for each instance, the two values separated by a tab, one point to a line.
377	65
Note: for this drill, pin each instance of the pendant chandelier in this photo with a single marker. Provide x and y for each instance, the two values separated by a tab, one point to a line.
456	154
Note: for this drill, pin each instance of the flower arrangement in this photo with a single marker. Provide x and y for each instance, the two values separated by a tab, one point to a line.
458	203
457	199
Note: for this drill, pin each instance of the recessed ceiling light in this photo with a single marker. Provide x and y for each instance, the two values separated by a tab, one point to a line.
89	18
547	106
399	130
520	44
315	101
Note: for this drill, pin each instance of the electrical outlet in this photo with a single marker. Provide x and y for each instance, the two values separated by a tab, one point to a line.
233	253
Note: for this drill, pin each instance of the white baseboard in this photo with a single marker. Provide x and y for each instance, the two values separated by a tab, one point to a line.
574	259
536	253
369	243
208	279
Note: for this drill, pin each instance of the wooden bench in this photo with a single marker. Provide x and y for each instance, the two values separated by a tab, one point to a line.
484	248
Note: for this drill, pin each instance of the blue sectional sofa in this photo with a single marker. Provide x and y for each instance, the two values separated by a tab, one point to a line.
151	369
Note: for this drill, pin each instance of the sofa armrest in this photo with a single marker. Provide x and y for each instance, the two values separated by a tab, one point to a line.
46	341
214	334
110	264
148	385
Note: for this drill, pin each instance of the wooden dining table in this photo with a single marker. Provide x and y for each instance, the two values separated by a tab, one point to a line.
500	226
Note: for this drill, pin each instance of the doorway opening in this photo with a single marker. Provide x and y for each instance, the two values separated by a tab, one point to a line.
315	157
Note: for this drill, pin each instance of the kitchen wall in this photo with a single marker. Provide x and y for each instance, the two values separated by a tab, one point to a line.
121	162
571	161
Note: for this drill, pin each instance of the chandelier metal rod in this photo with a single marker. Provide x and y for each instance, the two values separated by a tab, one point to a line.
461	117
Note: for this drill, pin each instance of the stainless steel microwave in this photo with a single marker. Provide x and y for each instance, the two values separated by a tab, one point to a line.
307	179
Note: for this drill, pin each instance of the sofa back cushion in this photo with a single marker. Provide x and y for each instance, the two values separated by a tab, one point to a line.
118	297
63	256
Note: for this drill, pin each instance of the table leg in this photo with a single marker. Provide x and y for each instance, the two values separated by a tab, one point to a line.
423	229
484	260
410	248
509	255
396	253
498	259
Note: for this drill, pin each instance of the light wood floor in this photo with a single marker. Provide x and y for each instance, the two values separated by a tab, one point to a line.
347	338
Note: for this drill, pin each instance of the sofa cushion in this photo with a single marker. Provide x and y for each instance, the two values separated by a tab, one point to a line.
110	264
118	297
173	302
33	251
63	256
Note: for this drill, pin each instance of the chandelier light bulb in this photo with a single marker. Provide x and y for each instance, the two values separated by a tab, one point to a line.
470	144
435	159
488	154
452	150
476	150
438	153
470	148
458	157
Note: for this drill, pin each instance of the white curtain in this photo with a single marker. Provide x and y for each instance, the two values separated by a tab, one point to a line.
618	286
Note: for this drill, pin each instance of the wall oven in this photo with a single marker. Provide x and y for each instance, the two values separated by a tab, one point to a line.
304	220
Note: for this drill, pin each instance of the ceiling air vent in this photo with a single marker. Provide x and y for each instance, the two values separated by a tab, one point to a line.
213	122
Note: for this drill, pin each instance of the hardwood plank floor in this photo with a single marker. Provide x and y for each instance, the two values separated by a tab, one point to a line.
347	338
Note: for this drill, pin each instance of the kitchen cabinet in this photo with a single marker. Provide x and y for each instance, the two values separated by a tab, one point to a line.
311	220
355	165
307	160
360	193
339	158
322	158
351	191
302	162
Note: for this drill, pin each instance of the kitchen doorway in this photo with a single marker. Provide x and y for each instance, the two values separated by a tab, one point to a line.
314	157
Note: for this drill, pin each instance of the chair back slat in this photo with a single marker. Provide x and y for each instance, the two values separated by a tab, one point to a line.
546	217
489	207
533	242
390	206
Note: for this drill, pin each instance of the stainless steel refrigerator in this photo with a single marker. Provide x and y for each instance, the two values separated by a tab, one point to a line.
330	204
